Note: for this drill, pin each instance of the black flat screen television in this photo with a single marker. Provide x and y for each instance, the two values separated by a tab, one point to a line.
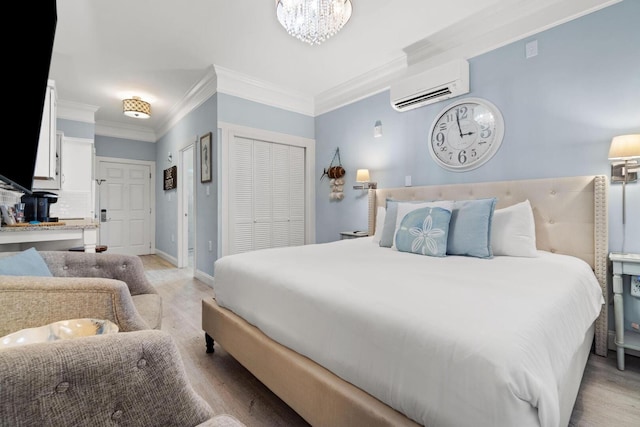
28	55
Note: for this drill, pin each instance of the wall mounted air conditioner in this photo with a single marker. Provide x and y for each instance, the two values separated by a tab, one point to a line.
435	84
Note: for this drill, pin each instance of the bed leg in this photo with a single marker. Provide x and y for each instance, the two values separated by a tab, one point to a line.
209	341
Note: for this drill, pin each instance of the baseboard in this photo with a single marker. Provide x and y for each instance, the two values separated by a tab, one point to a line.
199	274
204	277
165	256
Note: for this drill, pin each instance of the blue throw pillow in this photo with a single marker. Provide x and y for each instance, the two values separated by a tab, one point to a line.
424	231
470	228
389	228
25	263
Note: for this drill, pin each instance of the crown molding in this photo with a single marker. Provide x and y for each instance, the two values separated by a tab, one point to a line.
204	89
518	20
466	39
76	111
252	89
367	84
119	130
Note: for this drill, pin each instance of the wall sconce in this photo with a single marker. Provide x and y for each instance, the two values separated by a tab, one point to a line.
169	157
362	175
624	154
377	129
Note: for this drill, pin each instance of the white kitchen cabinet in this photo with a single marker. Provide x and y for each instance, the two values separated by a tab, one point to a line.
77	164
76	197
46	157
52	184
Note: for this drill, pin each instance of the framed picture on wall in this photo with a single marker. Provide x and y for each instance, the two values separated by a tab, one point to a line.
205	157
171	178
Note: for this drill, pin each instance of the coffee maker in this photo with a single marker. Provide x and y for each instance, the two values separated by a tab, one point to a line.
37	204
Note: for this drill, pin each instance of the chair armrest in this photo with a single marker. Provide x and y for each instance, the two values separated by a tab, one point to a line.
222	420
30	301
133	378
128	268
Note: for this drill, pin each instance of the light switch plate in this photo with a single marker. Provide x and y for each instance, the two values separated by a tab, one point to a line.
531	49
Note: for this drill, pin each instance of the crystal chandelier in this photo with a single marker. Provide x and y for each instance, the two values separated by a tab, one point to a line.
313	21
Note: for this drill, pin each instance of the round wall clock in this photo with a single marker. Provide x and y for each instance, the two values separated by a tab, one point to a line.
466	134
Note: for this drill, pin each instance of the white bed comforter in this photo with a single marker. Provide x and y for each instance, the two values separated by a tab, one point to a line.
452	341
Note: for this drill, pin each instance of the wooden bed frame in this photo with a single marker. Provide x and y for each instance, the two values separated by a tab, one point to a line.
571	218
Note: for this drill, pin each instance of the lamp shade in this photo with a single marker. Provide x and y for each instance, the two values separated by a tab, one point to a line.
625	147
362	175
136	108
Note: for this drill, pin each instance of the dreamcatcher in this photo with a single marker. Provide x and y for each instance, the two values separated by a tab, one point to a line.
335	172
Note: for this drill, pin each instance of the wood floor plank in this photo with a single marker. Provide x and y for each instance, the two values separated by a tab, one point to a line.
607	397
225	384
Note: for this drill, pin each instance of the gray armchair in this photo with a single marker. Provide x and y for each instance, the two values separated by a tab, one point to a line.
104	286
132	378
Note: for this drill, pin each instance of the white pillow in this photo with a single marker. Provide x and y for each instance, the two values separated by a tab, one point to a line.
513	232
380	215
405	207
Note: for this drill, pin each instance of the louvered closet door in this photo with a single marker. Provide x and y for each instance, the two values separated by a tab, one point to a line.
267	196
262	195
296	196
241	196
281	190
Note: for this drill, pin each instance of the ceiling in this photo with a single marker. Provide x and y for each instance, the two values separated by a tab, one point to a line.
163	51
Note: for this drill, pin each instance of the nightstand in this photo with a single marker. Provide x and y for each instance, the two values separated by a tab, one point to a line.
623	264
352	234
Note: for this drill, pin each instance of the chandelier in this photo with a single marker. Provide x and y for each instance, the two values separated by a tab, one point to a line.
313	21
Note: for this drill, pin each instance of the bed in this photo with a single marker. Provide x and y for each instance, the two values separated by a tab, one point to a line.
350	333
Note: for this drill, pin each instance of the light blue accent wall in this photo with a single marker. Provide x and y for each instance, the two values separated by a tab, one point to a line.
225	108
561	109
239	111
74	129
187	131
121	148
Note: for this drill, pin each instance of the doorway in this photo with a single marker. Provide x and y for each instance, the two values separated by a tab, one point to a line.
125	204
186	216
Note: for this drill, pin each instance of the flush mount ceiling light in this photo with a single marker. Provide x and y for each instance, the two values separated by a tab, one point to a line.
136	108
313	21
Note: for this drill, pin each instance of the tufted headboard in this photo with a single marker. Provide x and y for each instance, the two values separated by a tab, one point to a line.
570	216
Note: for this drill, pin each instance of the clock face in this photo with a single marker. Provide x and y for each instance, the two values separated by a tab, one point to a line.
466	134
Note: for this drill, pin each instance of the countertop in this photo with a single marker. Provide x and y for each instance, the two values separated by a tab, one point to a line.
69	224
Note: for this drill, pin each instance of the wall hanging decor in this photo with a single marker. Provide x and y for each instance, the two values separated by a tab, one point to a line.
335	172
466	134
171	178
205	157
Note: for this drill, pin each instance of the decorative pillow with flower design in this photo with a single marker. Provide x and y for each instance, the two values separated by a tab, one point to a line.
391	221
403	208
424	231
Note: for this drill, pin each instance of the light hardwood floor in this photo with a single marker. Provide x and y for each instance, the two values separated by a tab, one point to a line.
608	397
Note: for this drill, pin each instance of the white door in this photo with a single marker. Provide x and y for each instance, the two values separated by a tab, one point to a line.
267	183
241	196
125	208
186	191
288	195
267	195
